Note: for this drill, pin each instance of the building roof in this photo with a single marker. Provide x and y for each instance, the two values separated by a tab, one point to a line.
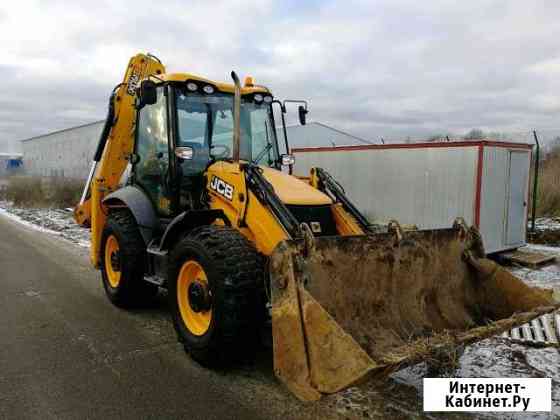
316	134
10	155
424	145
313	134
61	131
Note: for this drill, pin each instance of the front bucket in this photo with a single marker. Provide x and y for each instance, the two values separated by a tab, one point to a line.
346	307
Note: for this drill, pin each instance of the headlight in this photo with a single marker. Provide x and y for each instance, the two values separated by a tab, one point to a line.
209	89
258	97
192	86
268	99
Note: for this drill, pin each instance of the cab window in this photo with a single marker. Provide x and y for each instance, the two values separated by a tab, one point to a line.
152	149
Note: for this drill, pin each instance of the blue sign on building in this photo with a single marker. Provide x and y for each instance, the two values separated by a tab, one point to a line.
14	164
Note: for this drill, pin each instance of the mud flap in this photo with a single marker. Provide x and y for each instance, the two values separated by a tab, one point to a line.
350	307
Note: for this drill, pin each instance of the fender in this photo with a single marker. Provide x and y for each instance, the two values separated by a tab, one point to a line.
188	220
140	206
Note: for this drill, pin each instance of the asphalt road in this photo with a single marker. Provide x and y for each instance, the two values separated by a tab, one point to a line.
65	352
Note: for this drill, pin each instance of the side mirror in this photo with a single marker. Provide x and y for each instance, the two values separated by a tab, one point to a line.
184	153
288	160
302	112
147	94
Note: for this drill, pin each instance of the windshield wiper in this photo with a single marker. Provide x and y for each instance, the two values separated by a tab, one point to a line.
268	145
262	153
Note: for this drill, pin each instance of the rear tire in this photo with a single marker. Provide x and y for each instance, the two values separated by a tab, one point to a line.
123	257
228	265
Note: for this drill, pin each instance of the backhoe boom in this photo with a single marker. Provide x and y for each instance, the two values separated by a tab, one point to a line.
115	148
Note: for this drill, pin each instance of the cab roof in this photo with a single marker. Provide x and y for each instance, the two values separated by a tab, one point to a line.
248	88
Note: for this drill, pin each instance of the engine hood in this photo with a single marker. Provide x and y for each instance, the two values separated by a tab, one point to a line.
292	190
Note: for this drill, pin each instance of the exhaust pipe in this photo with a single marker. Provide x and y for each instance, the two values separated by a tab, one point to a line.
236	117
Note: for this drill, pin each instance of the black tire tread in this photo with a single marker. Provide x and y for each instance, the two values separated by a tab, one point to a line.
133	290
240	271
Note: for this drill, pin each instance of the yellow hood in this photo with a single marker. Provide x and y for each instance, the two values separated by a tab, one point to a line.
292	190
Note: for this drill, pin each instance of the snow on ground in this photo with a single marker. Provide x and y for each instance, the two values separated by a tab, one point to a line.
54	221
401	394
547	231
546	276
547	223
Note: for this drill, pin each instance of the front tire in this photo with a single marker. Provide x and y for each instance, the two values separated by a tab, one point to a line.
213	281
123	256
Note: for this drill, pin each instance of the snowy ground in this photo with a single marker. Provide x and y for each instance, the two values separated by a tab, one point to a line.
54	221
401	395
547	231
547	223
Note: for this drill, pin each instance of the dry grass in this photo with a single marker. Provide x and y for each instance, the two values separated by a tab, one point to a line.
548	201
66	193
23	191
36	192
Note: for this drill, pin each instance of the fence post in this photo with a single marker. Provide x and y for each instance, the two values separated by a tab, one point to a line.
535	180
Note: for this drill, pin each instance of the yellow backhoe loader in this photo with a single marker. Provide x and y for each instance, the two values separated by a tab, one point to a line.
211	212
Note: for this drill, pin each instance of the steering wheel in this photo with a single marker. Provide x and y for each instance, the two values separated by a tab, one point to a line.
225	153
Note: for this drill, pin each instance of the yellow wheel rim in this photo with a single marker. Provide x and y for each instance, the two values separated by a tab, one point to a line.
112	263
197	322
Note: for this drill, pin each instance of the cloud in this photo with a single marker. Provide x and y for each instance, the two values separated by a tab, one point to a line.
385	68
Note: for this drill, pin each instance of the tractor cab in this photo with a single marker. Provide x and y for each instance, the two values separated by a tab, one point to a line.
185	123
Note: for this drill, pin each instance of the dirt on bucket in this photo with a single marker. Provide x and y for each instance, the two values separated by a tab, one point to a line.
400	300
387	294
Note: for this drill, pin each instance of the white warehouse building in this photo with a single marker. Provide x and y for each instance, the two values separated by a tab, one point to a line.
68	153
427	184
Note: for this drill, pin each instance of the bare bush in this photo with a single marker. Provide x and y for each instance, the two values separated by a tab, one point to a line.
24	191
64	192
37	192
548	201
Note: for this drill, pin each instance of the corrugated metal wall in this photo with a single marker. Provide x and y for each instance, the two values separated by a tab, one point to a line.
66	153
429	187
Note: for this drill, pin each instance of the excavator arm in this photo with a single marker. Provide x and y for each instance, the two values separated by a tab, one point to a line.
116	144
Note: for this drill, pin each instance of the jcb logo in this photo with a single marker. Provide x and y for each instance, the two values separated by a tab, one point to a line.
133	82
222	187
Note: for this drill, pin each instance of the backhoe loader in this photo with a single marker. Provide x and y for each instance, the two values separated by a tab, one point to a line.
211	212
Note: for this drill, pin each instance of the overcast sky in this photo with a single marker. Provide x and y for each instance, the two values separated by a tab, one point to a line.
384	68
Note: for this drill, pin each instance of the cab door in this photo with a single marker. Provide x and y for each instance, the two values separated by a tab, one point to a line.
151	171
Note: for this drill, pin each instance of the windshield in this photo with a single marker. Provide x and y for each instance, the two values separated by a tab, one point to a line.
205	123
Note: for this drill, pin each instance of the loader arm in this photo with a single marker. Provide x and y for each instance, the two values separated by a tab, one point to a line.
115	147
324	182
265	192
